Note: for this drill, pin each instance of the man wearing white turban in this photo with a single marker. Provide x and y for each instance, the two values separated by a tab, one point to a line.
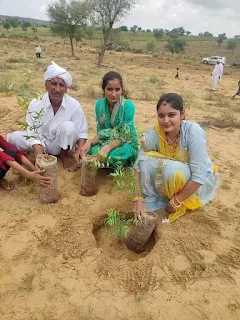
216	74
61	122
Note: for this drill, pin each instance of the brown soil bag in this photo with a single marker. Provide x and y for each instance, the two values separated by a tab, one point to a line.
88	177
49	164
139	235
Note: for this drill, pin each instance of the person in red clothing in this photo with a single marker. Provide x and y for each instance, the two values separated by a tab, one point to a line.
177	74
11	157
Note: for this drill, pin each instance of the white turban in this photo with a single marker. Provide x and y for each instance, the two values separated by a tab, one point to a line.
54	71
219	60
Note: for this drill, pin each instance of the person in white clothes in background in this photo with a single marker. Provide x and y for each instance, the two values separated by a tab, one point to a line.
62	124
216	74
38	51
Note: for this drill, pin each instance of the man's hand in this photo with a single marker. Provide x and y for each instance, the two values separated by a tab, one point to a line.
84	149
38	164
77	154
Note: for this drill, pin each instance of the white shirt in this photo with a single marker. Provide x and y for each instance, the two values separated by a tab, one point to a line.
218	70
38	49
48	123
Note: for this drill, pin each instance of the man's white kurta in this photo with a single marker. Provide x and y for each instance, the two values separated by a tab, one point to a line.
55	132
216	75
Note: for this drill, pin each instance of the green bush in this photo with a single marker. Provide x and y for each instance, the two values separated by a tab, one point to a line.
151	46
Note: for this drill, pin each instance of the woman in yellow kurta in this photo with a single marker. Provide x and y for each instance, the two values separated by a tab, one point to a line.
173	169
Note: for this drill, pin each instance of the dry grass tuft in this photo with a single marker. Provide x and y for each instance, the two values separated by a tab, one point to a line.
227	119
6	67
5	83
16	60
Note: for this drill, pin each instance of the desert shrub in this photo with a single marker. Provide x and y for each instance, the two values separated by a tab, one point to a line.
123	45
226	119
151	46
6	84
16	60
137	50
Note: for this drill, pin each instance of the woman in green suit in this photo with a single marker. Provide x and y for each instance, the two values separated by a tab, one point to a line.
116	139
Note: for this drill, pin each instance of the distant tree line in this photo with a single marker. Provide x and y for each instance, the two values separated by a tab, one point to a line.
12	22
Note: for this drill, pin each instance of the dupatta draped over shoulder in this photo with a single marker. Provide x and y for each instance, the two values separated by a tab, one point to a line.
117	126
165	169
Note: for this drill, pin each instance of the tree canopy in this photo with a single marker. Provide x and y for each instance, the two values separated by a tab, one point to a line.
67	18
232	44
175	45
107	13
221	38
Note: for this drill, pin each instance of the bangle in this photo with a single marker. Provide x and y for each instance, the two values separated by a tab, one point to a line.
177	199
174	205
137	198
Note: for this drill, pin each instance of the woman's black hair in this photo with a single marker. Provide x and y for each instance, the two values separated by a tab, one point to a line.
112	75
174	99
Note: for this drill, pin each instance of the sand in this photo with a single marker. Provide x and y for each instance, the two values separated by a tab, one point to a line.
56	261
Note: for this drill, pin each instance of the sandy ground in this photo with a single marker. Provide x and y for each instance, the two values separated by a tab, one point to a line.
56	261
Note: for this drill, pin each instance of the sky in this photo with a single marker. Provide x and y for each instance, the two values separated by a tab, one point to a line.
215	16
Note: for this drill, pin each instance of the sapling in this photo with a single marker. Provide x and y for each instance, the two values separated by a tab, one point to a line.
120	225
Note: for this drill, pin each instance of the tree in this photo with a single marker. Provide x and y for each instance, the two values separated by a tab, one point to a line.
188	33
6	25
178	31
174	44
221	37
67	18
139	29
25	25
207	34
158	33
148	30
232	44
13	22
151	46
108	12
79	34
123	28
134	28
34	29
89	32
237	36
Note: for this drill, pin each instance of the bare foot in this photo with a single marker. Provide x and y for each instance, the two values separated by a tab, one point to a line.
6	185
69	163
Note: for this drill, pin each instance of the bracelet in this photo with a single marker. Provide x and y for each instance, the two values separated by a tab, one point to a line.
174	205
137	198
177	199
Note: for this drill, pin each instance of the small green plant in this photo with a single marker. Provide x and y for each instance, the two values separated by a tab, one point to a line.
120	225
153	80
23	100
124	179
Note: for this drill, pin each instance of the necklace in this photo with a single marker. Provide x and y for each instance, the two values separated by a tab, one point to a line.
172	141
